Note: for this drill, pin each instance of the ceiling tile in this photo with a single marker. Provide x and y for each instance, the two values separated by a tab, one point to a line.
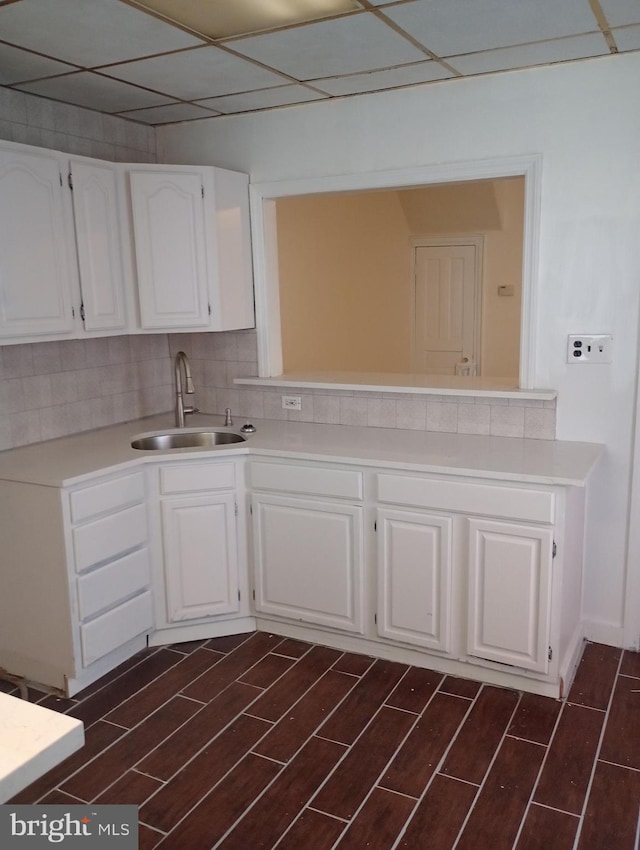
19	65
463	26
542	53
196	74
421	72
627	38
169	114
223	18
89	32
265	99
342	46
95	92
621	12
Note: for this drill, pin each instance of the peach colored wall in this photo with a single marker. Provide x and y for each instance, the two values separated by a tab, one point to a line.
344	283
344	266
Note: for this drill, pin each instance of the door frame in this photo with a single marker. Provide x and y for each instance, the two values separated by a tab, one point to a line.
451	239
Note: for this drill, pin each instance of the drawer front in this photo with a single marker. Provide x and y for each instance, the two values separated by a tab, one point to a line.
193	477
107	538
106	496
116	627
112	583
486	499
306	480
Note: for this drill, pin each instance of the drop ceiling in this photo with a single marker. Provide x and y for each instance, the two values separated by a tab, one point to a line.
166	61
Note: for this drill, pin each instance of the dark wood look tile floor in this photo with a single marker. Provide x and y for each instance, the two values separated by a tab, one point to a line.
258	741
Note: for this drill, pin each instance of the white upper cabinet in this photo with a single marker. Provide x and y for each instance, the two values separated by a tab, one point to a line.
192	247
170	239
36	259
95	205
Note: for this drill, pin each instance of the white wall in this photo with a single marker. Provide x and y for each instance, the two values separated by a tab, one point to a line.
584	121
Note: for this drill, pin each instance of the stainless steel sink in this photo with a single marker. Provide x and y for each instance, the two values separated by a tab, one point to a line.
186	440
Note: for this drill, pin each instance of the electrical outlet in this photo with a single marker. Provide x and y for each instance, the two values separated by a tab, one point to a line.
594	348
292	402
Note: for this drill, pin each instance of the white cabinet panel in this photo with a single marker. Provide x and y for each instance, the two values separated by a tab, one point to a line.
414	578
306	480
109	537
105	496
201	558
111	630
194	477
509	593
113	582
309	561
36	247
98	244
170	239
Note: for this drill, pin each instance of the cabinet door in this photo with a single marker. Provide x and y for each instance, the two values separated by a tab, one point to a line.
200	556
309	561
509	593
98	243
169	233
36	248
414	578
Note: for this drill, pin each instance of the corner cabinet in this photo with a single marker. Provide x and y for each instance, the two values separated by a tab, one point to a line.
192	247
199	548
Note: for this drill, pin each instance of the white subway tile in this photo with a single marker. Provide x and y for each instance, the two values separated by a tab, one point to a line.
442	416
539	423
474	419
507	421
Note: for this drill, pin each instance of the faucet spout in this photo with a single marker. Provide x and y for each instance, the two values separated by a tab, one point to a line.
181	365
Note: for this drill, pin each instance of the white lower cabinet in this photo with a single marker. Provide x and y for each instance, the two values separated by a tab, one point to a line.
76	595
414	578
308	560
200	552
510	593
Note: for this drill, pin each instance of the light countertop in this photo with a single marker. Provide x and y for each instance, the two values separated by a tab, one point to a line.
33	739
70	459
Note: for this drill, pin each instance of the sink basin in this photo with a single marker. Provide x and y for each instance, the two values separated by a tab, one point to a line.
186	440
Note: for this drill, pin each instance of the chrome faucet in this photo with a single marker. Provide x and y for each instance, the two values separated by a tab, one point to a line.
182	362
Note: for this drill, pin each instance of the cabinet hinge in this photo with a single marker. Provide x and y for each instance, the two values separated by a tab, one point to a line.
375	619
550	655
254	595
209	307
82	311
554	550
235	508
70	180
73	312
375	525
202	190
251	509
60	176
238	594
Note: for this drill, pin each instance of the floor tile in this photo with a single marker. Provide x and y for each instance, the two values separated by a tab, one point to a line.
350	783
291	790
630	665
170	755
352	663
419	756
219	810
302	719
187	787
363	702
312	829
621	743
129	749
595	676
460	687
565	776
132	711
535	718
132	788
476	743
379	822
611	816
547	829
290	687
415	689
266	671
293	648
502	802
439	816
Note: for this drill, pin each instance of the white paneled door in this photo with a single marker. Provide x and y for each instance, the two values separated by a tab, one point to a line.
446	304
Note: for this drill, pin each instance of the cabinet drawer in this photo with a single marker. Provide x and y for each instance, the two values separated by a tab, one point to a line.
507	502
194	477
105	539
106	496
116	627
307	480
112	583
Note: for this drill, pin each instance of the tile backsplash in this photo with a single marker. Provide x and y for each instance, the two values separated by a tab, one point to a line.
51	389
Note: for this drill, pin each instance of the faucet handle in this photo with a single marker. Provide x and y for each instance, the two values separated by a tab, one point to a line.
227	416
